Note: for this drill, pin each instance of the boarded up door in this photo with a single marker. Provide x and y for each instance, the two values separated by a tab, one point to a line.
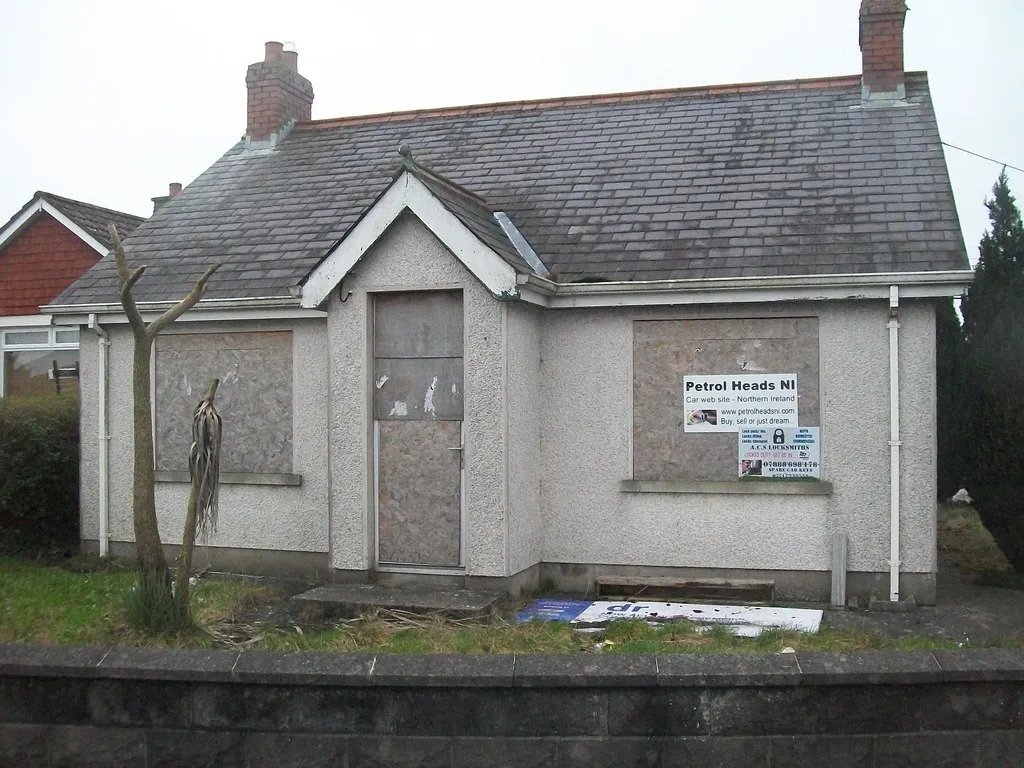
417	406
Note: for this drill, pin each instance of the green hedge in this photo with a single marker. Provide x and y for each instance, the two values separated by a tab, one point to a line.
996	419
39	460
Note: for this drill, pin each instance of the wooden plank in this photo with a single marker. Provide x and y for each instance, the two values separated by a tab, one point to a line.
748	590
418	324
419	496
668	581
418	388
839	545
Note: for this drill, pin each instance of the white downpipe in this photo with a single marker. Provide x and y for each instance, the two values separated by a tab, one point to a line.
103	436
894	444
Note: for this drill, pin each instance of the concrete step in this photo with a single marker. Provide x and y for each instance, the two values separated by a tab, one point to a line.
347	600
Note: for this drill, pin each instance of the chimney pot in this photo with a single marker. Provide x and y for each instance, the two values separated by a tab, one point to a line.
173	189
291	60
881	45
273	51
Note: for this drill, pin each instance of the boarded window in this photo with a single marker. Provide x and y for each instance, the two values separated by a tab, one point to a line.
664	351
254	398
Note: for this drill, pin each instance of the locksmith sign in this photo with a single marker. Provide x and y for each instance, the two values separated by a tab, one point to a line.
731	403
780	452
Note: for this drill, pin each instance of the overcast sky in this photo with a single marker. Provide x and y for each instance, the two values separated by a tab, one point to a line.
108	101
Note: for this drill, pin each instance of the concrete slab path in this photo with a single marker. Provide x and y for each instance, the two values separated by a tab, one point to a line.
353	599
966	613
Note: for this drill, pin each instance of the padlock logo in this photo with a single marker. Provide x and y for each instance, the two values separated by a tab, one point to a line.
779	438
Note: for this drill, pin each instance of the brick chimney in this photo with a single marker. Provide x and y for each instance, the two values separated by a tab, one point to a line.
172	189
278	94
881	46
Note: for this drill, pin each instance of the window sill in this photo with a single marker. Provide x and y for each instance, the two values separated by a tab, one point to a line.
234	478
769	487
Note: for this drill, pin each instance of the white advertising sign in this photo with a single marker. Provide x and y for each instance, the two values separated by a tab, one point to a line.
731	403
780	452
742	620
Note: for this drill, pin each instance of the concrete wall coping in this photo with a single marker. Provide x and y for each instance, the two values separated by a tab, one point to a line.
774	487
233	478
513	671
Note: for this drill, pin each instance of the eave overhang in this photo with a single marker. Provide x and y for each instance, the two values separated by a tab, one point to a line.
742	290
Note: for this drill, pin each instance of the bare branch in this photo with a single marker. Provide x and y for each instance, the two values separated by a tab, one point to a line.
125	281
133	278
184	305
118	249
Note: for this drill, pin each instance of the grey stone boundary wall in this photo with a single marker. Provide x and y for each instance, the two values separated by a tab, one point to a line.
152	707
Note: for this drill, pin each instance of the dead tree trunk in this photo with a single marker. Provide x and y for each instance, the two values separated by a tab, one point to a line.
147	535
152	564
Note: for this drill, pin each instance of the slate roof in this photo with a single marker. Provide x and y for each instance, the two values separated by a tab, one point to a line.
91	218
784	178
475	214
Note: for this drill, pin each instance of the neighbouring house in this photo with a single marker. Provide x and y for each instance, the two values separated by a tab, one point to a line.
44	248
684	333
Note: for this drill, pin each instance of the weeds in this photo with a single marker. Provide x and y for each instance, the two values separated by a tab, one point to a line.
154	608
966	545
398	632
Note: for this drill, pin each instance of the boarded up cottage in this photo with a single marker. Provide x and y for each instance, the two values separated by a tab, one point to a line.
685	333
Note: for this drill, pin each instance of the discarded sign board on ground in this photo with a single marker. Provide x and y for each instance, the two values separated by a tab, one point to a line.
742	620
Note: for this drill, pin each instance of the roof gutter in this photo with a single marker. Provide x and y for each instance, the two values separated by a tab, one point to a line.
552	295
743	289
255	308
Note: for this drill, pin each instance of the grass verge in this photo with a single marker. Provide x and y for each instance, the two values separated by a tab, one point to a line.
82	603
54	605
47	604
78	605
395	633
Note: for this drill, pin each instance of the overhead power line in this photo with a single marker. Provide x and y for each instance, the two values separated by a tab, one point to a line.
990	159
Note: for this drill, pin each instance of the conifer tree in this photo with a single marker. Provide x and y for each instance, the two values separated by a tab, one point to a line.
994	376
1000	263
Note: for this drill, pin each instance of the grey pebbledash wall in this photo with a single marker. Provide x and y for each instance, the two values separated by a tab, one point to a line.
587	451
149	707
280	522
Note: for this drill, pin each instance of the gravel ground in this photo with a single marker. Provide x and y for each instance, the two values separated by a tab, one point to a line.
965	612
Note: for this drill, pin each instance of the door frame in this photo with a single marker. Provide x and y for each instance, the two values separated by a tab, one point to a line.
375	564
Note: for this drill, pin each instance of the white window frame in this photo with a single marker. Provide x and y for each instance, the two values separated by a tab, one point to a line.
50	344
